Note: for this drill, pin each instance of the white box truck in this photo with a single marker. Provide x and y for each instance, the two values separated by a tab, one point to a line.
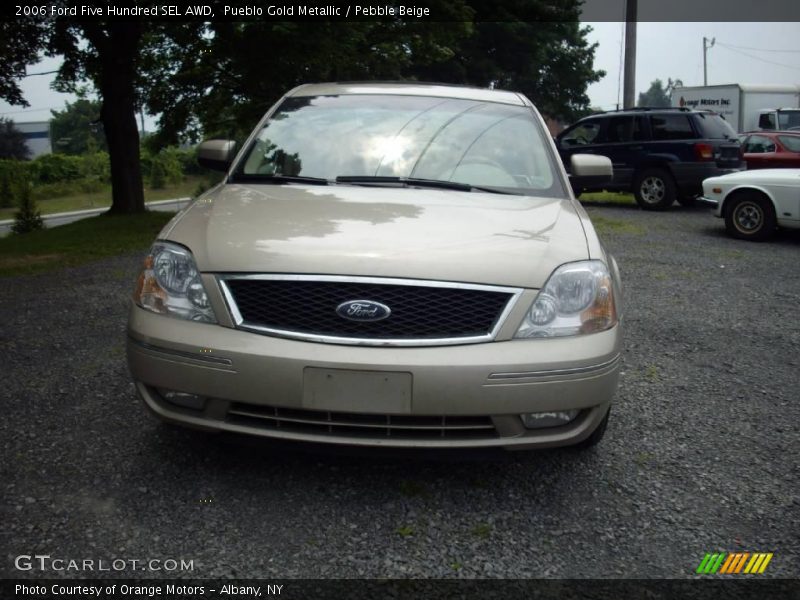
746	107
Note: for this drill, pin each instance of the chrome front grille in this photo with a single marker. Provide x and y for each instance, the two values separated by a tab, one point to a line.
316	422
421	312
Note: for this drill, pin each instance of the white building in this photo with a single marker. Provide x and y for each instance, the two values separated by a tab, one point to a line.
37	136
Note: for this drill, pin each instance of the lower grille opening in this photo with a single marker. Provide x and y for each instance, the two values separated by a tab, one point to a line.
366	425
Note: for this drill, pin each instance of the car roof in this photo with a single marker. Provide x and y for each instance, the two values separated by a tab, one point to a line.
773	132
410	89
646	110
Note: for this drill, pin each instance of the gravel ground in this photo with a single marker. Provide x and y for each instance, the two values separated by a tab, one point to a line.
701	454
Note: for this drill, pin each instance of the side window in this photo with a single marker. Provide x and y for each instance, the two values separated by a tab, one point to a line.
584	133
671	127
766	121
792	142
639	133
619	129
759	144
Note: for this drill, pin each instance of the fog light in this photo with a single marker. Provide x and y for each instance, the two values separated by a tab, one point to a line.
542	420
183	399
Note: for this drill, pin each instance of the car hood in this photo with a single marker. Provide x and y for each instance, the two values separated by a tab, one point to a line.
470	237
777	176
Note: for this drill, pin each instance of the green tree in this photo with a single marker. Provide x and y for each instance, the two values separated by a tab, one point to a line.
537	48
77	128
12	141
656	96
22	43
105	51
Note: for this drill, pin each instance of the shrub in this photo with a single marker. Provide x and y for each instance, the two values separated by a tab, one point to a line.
51	168
13	173
96	166
158	175
7	195
188	161
28	218
162	168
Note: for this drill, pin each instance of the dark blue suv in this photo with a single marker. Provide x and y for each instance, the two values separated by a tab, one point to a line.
659	154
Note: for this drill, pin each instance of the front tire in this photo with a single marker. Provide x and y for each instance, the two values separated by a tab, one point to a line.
750	216
654	189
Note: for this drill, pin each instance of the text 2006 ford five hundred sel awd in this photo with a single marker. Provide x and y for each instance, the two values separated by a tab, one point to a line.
391	265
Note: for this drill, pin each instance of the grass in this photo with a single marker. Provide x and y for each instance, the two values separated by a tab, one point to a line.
732	254
405	530
652	374
79	242
103	198
606	225
482	530
411	489
608	198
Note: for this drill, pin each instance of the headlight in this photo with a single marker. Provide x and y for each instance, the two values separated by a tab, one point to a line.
170	285
578	298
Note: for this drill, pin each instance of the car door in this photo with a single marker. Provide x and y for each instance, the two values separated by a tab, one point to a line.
622	142
788	151
759	152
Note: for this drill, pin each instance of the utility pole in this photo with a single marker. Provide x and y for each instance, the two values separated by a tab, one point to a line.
629	90
705	51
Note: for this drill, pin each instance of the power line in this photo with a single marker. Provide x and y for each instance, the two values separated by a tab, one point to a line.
14	112
43	73
757	49
770	62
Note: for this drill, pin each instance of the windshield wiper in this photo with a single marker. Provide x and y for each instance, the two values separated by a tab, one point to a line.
278	179
413	181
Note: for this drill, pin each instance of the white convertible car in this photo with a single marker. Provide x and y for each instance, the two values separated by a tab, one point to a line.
754	203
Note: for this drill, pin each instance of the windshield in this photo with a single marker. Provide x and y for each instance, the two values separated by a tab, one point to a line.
715	127
788	118
479	144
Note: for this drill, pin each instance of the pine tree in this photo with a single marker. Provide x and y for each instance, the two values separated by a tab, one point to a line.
28	218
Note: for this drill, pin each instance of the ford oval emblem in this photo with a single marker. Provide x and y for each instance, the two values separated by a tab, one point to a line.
363	310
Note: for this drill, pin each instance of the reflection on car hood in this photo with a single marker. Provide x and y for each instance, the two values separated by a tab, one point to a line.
779	176
384	232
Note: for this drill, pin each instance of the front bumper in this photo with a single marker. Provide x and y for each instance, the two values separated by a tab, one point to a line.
708	202
467	396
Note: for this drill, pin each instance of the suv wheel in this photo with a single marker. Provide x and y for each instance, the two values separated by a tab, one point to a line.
654	189
750	216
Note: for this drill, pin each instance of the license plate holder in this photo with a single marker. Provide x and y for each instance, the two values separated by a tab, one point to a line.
344	390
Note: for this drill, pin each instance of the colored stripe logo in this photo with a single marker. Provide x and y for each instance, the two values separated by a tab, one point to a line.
734	563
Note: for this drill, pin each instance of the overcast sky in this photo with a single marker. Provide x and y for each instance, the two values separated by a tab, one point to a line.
743	53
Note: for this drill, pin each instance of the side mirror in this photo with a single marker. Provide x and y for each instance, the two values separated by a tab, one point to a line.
590	171
216	154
